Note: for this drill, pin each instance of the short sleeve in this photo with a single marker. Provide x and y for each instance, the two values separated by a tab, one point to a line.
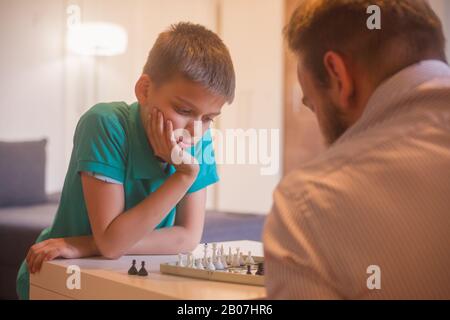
100	144
204	153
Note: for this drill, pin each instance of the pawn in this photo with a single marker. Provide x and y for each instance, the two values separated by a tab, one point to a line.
199	265
218	264
249	259
142	272
224	261
190	261
210	265
229	257
249	269
180	262
235	262
241	259
133	270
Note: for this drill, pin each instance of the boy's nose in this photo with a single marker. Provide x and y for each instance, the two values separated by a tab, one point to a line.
191	128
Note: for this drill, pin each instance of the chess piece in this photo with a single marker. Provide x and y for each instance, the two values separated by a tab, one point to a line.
205	252
235	262
218	264
190	261
249	269
198	264
210	265
142	272
214	252
241	259
133	270
224	261
229	257
249	259
180	262
260	271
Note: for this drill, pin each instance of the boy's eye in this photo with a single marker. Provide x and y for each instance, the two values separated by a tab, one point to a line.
183	111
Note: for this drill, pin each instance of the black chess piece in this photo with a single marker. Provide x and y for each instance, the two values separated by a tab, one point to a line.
133	271
260	271
249	269
142	272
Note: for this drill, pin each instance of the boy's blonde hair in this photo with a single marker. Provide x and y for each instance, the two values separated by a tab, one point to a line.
196	53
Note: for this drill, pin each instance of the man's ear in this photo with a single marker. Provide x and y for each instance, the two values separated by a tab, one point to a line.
141	89
341	81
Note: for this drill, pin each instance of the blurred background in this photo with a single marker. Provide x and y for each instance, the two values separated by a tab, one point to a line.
46	85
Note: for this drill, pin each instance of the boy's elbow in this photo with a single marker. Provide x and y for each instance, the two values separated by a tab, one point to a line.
107	251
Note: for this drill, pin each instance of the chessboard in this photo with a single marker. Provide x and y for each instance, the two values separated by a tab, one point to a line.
234	268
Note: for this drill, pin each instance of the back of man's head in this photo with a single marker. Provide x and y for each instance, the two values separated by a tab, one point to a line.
410	32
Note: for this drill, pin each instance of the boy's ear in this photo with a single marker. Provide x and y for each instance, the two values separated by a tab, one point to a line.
141	89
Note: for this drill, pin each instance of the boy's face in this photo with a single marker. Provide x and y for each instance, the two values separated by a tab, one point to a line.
187	104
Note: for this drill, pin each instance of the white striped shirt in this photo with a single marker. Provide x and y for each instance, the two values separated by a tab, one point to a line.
379	196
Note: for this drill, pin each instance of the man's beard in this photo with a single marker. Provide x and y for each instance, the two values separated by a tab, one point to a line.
332	126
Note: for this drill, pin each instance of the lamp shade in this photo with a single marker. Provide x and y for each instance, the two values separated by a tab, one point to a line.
97	39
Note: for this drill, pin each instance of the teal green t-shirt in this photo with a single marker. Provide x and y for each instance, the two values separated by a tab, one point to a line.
110	140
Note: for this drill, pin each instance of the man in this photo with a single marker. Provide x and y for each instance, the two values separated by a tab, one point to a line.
370	217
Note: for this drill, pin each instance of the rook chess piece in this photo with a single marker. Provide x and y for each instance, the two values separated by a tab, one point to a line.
142	271
133	270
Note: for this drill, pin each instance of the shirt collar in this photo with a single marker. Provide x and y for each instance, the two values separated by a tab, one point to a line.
144	165
394	90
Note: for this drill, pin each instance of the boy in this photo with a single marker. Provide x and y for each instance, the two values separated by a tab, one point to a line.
125	191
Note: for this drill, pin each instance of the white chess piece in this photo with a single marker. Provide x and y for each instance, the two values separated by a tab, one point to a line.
190	261
223	259
218	264
210	265
229	257
249	259
235	262
205	249
241	259
180	262
198	264
214	252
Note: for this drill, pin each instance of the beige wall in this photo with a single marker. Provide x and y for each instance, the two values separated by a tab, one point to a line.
45	89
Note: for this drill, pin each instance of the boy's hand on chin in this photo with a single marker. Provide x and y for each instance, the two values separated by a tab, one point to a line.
162	139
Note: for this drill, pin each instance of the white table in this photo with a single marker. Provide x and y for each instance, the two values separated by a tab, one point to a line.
108	279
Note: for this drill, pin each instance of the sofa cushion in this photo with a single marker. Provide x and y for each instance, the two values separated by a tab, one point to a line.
22	173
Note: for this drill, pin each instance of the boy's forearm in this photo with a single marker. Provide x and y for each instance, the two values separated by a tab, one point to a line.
129	228
171	240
